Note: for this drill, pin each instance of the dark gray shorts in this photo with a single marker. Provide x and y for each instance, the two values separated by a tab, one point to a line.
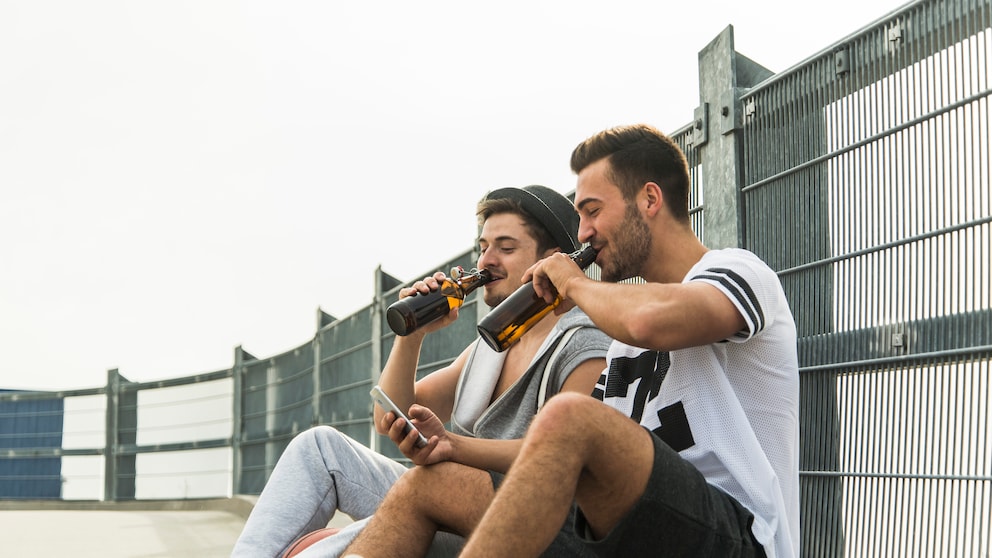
679	514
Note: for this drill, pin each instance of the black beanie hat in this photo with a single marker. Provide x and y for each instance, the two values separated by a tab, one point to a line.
549	208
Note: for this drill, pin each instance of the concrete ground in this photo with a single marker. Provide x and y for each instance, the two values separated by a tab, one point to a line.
145	529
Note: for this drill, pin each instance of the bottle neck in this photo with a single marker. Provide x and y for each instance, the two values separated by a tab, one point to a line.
584	257
473	279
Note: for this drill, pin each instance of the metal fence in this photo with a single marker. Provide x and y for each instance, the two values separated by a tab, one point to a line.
865	183
861	175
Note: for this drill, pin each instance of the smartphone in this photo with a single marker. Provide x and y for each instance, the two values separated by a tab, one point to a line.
386	403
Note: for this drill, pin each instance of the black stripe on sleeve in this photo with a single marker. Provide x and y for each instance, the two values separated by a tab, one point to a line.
741	291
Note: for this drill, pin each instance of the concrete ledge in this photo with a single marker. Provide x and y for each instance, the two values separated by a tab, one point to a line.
240	505
204	528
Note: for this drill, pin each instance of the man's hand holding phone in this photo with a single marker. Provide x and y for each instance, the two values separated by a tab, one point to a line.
407	437
387	405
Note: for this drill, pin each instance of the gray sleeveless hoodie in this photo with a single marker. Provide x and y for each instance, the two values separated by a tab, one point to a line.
509	416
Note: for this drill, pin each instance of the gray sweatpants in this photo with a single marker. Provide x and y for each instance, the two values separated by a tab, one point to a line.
322	471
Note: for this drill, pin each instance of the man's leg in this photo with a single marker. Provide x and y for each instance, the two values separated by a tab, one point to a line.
320	472
575	448
446	496
678	514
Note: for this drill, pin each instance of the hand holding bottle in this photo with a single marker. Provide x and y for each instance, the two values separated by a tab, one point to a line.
425	286
432	299
551	275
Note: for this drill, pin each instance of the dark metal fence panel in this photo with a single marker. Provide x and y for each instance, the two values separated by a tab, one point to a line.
31	425
254	437
276	405
346	374
866	185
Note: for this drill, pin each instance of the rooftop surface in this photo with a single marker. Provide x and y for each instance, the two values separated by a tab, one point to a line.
146	529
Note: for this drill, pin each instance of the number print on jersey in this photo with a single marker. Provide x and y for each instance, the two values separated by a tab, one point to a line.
650	367
674	429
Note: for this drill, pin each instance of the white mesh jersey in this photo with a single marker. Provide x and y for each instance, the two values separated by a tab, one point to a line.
731	408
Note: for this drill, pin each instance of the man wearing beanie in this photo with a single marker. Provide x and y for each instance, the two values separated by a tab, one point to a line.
488	398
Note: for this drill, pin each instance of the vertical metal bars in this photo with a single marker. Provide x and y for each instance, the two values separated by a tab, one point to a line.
886	163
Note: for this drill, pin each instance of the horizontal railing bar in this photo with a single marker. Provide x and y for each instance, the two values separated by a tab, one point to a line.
912	357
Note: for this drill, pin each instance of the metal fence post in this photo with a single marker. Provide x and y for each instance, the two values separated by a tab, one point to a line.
121	431
378	310
110	431
717	151
237	418
722	75
315	374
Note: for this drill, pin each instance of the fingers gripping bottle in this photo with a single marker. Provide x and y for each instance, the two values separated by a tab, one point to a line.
410	313
506	323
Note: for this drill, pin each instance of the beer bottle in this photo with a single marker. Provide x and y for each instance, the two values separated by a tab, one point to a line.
410	313
504	324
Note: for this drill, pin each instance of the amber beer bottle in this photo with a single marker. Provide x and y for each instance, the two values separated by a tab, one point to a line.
408	314
504	324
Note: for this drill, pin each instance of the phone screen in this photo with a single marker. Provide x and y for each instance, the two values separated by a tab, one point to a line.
387	404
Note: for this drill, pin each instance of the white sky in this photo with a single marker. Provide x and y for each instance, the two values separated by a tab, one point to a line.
179	178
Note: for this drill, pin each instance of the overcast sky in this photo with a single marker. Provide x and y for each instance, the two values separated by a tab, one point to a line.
180	178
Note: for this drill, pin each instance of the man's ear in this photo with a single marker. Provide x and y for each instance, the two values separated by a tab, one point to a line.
653	200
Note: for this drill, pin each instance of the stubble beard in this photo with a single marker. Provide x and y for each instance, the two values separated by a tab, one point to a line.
631	246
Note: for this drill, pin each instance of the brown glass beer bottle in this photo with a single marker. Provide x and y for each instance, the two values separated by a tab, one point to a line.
504	324
408	314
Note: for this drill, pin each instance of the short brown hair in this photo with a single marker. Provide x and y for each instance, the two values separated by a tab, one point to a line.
639	154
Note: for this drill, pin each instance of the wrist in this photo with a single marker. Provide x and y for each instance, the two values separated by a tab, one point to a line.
568	287
455	446
408	344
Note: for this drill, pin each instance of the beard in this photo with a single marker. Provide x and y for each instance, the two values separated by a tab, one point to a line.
631	246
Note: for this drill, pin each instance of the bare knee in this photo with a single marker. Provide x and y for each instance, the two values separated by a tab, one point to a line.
567	405
567	415
447	494
433	485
